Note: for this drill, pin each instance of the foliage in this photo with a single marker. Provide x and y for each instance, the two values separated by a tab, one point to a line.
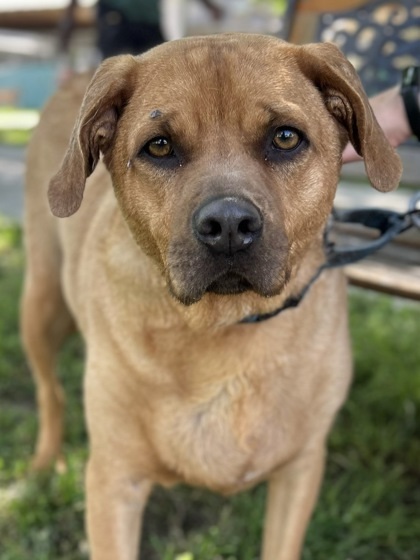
16	125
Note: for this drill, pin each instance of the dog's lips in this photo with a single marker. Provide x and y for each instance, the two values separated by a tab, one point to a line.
226	283
229	284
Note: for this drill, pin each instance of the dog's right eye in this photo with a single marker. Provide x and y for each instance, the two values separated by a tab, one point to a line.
159	147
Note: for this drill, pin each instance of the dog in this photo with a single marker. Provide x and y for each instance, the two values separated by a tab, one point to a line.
211	165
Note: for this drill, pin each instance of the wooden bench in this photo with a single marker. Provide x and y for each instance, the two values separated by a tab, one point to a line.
395	269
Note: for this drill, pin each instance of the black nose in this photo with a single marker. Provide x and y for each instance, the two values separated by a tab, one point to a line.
227	225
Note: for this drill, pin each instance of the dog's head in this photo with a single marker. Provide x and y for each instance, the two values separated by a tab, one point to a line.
225	154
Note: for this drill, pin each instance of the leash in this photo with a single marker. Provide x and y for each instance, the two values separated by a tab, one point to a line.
389	223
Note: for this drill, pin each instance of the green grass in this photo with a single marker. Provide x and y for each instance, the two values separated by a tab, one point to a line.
370	502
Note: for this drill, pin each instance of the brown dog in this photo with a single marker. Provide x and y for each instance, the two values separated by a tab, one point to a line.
221	157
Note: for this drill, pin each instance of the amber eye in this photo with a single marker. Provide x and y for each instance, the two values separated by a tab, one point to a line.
159	147
286	139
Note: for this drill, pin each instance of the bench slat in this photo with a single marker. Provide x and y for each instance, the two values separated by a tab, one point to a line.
403	281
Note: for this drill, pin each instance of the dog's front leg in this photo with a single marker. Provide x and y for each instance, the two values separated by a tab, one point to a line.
292	493
115	505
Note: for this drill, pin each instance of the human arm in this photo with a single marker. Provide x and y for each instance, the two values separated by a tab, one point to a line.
216	11
390	113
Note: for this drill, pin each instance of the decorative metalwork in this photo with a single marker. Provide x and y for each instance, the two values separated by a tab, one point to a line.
380	39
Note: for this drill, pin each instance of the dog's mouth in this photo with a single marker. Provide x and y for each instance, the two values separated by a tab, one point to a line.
190	286
229	284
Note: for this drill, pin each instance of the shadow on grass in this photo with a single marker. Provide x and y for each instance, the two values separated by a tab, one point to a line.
370	502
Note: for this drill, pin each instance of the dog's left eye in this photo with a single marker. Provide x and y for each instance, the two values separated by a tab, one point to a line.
286	139
159	147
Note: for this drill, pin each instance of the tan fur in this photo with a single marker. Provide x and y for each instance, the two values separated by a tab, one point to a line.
175	388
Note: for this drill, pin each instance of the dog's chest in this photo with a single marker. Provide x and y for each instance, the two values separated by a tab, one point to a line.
247	426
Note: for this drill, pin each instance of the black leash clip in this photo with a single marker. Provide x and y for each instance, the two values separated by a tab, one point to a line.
389	223
414	210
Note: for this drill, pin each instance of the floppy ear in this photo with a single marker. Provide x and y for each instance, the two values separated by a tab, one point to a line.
105	97
345	98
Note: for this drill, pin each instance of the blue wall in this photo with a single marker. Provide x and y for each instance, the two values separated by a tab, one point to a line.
34	81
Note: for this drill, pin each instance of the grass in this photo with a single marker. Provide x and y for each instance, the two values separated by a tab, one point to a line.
370	502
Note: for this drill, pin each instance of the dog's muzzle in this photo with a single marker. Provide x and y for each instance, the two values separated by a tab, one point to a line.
227	248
